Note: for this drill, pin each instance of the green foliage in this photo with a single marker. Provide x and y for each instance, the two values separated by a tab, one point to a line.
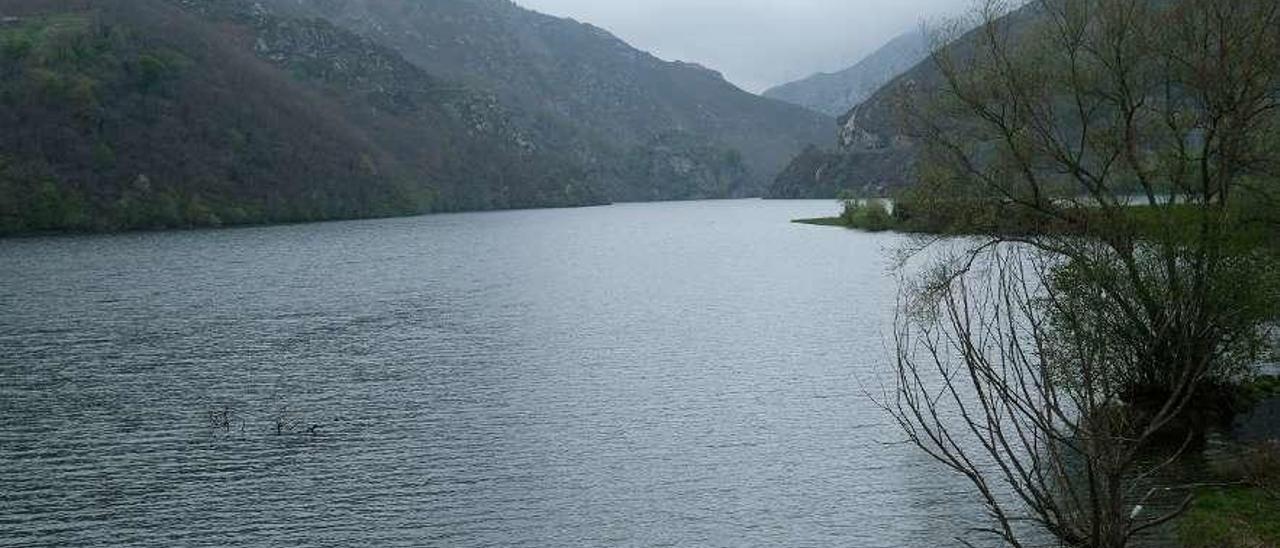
45	204
160	114
1166	237
62	61
16	45
151	71
155	69
103	156
1260	388
867	214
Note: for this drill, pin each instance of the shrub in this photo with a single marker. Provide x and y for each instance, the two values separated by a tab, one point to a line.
872	215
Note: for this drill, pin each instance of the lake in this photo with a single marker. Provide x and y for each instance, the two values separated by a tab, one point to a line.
674	374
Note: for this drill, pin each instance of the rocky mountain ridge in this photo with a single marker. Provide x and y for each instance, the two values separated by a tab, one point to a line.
836	93
610	101
875	154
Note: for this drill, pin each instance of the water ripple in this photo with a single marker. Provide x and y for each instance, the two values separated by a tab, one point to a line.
638	375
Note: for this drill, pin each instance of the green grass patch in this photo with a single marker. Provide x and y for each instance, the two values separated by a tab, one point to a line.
1231	517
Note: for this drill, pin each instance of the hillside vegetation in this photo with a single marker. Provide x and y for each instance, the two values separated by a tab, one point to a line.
125	114
150	113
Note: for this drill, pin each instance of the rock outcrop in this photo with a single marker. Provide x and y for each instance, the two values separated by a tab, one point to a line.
599	99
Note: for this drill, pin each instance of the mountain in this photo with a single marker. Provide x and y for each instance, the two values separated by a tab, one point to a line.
874	154
125	114
836	93
161	113
612	106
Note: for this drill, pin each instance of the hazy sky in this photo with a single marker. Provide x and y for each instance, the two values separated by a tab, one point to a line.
755	43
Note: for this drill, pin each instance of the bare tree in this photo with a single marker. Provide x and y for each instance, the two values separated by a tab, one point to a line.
1047	360
1000	378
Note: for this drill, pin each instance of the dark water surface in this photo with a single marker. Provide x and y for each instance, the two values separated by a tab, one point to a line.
681	374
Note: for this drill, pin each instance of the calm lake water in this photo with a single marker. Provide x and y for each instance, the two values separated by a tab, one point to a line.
677	374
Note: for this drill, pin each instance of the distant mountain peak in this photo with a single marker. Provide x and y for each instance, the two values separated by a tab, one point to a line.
835	93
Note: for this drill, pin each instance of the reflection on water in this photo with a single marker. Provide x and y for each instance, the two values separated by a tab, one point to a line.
642	375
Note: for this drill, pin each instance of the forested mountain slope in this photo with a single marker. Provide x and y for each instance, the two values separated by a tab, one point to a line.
158	113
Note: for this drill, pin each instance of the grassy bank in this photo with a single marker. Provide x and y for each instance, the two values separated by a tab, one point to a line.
873	215
1252	226
1231	517
824	221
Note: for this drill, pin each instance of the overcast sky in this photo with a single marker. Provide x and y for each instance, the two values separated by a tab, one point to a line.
756	43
